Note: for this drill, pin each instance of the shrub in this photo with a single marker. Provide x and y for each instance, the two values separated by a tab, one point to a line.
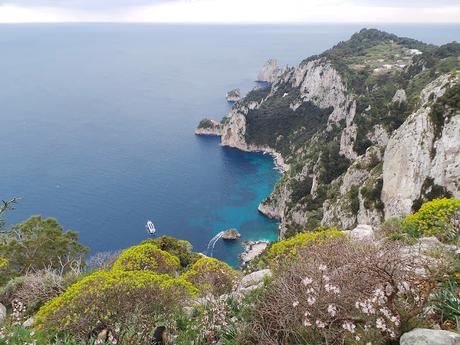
34	289
147	256
133	301
180	248
5	271
288	248
341	291
392	229
211	276
439	217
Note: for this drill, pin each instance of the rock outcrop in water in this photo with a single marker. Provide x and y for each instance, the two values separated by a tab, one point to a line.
361	136
231	234
269	72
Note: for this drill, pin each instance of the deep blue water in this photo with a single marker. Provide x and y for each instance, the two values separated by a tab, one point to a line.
97	121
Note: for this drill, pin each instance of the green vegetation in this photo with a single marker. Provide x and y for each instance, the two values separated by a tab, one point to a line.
274	122
439	217
147	256
206	124
256	95
447	302
285	249
353	199
179	248
135	299
211	276
331	163
371	193
428	192
39	244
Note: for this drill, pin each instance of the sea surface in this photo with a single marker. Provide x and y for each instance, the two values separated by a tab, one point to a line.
97	122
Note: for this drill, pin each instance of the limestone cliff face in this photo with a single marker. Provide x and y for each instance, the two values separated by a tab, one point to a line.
355	140
320	83
414	155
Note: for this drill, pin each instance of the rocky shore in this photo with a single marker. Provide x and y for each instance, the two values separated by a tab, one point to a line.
252	250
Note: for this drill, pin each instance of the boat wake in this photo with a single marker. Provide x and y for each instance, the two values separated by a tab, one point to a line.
212	243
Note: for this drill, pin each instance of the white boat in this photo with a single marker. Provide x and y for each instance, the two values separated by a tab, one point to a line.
150	227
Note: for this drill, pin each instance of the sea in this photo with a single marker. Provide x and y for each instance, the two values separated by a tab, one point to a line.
97	126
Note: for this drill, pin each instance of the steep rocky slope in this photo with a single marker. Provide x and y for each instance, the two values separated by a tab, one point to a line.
367	130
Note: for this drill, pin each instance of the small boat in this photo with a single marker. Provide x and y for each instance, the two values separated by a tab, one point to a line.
150	227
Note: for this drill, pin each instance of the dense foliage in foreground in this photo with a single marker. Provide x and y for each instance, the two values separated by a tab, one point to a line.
324	288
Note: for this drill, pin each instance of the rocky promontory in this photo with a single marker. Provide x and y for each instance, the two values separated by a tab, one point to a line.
233	95
209	127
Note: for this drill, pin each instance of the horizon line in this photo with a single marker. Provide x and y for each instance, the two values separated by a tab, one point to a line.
228	23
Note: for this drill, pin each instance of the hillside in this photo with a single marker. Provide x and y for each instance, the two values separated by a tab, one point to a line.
341	121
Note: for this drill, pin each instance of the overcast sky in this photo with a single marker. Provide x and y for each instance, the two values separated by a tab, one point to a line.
231	11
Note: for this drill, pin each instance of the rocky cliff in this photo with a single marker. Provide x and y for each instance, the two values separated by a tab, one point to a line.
367	130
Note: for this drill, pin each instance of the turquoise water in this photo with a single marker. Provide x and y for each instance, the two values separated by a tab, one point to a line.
97	121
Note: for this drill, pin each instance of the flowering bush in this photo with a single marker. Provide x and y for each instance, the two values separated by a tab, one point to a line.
288	248
342	291
147	256
180	248
5	270
439	217
212	276
121	301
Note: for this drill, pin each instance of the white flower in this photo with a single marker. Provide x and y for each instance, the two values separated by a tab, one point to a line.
307	281
332	288
332	309
311	300
326	278
380	324
306	323
295	304
358	338
320	324
349	326
307	313
322	267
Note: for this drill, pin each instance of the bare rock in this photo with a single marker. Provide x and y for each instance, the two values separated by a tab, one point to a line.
255	278
362	232
231	234
2	313
421	336
415	154
29	322
269	72
253	250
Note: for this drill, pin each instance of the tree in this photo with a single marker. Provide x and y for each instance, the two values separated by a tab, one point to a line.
7	205
41	244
